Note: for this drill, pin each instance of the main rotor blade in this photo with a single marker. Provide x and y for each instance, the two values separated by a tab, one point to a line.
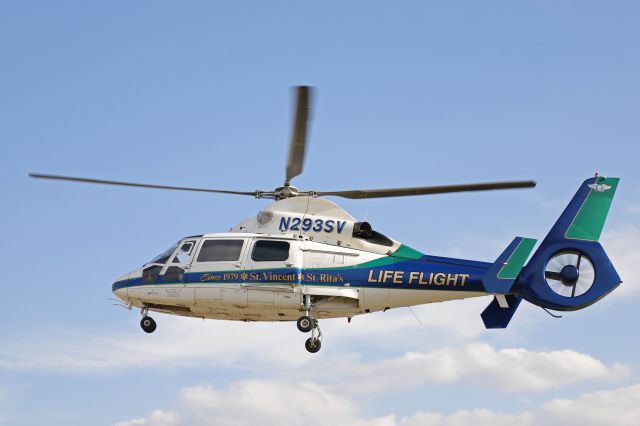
138	185
299	135
428	190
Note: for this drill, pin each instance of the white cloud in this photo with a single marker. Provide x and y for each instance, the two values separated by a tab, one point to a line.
506	369
220	343
227	344
269	403
156	418
478	417
275	403
607	407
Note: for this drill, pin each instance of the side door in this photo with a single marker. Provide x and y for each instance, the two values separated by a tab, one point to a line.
172	277
273	268
272	260
216	269
178	265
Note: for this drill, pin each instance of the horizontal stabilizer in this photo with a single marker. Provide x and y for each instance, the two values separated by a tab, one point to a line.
496	316
504	271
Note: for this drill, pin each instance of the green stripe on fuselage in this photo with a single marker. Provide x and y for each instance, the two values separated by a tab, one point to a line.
589	221
516	261
403	253
407	252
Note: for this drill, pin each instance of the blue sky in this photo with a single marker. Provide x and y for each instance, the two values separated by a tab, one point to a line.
418	93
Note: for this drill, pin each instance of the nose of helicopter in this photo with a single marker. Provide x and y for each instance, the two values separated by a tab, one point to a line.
119	287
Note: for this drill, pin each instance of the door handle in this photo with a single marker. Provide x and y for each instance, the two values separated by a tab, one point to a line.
237	265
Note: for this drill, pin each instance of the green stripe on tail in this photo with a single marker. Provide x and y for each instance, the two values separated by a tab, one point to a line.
514	264
588	223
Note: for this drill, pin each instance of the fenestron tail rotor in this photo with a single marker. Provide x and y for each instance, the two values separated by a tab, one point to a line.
295	163
570	273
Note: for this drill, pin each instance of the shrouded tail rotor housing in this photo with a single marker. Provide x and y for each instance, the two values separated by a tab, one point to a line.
570	270
570	273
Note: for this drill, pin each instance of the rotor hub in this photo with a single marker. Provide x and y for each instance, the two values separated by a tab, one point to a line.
570	275
286	191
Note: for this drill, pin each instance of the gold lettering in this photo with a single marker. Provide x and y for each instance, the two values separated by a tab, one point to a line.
421	281
412	277
439	278
328	278
387	276
371	280
452	279
464	278
397	277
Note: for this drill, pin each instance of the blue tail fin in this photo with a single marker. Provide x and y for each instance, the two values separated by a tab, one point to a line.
584	217
504	271
500	311
570	270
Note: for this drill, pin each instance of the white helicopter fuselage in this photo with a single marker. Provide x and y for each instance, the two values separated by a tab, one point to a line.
303	246
304	258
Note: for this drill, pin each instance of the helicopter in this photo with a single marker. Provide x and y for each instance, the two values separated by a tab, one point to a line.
303	258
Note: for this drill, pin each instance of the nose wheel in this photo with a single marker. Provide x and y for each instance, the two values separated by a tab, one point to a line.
308	324
147	323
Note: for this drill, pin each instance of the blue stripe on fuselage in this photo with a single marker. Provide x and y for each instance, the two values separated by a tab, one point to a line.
427	273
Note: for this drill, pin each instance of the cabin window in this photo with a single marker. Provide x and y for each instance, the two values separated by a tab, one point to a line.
184	254
150	274
173	274
220	251
162	258
270	251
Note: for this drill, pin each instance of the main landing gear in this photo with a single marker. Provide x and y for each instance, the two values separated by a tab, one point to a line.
147	323
307	324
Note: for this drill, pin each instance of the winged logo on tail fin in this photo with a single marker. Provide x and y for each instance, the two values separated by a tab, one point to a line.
599	187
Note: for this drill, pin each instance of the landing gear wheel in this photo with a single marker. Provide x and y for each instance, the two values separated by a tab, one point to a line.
313	344
306	323
148	324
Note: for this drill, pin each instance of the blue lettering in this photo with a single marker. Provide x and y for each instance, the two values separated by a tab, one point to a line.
318	226
341	224
295	224
306	224
328	225
284	223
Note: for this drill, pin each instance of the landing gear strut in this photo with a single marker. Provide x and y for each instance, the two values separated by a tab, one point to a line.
308	324
147	323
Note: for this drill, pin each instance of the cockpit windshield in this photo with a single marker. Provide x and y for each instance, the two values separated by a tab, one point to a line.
164	257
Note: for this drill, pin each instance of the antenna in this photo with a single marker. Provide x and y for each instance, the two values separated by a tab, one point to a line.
414	314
